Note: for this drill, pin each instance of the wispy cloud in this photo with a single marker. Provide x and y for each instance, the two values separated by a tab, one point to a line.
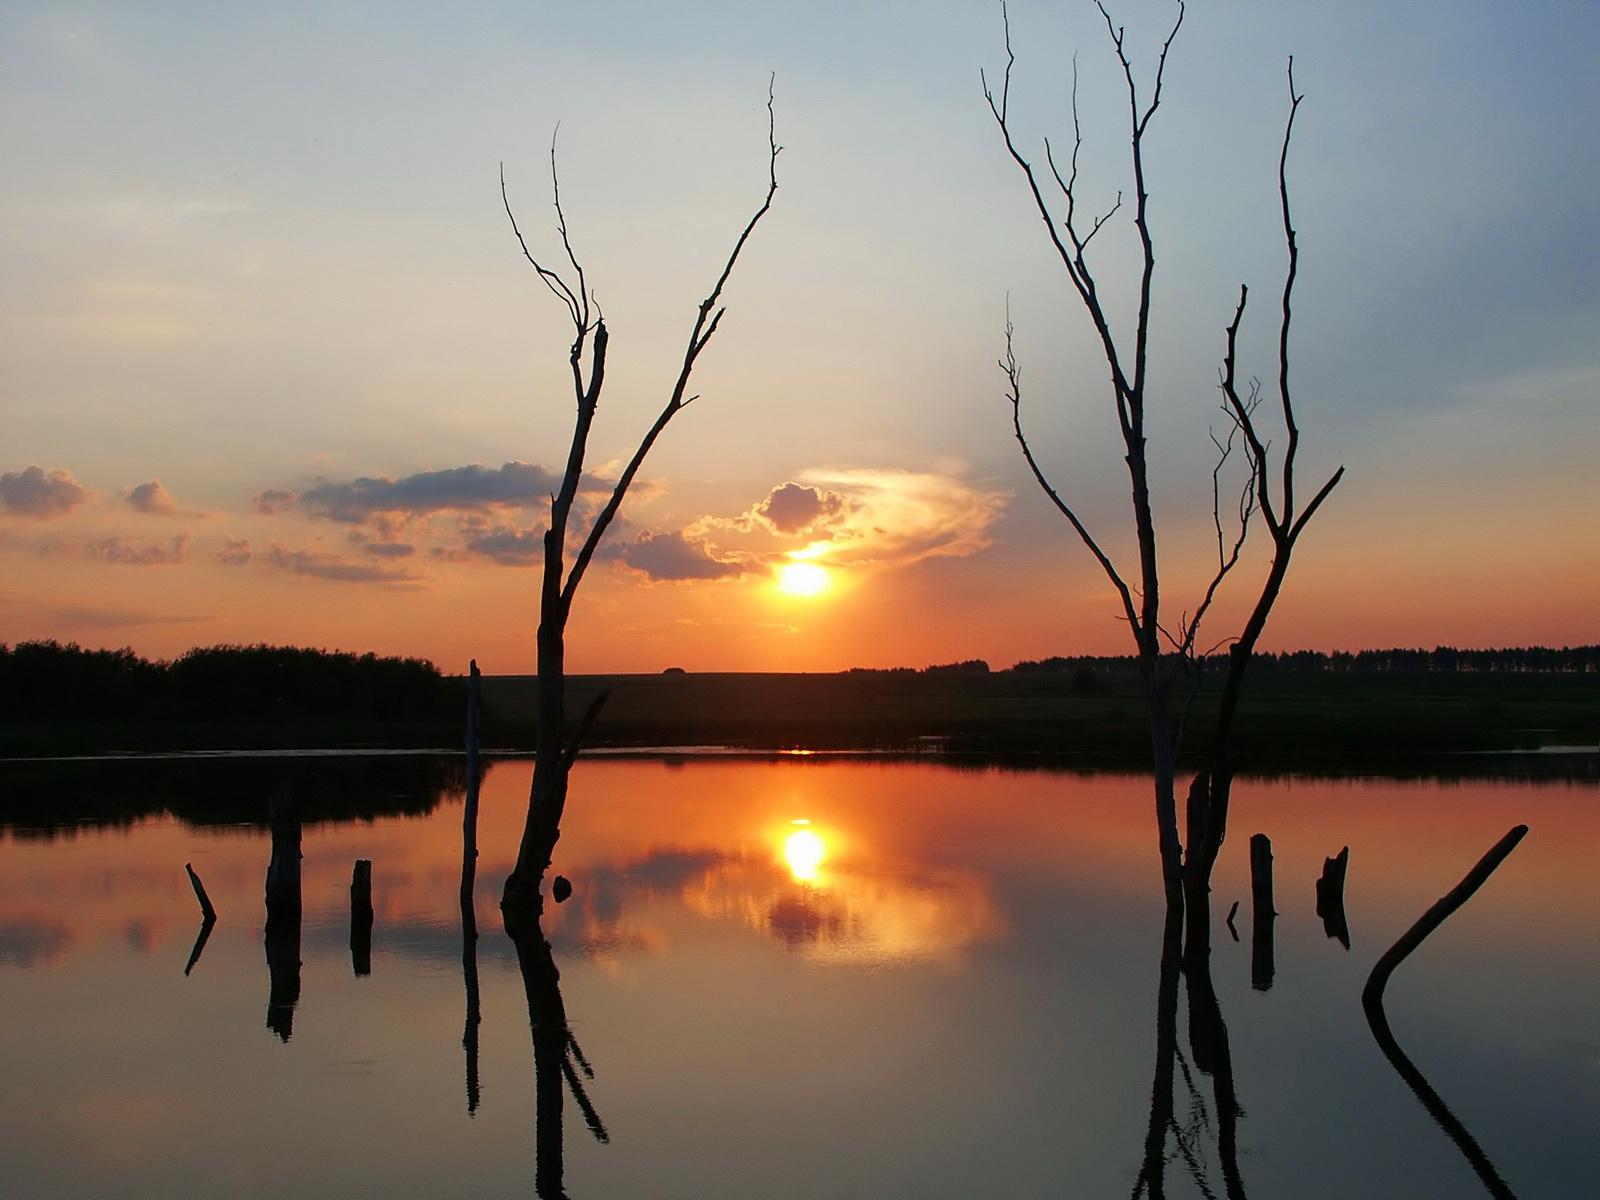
139	552
674	556
123	551
333	567
57	617
506	545
235	553
856	517
273	501
471	488
901	517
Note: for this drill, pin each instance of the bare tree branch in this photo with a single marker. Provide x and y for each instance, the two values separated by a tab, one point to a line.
553	281
1014	394
566	240
698	337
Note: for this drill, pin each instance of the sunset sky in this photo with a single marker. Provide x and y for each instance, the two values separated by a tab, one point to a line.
272	368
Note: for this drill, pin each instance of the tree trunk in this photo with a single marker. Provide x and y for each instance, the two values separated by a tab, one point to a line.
547	795
1164	755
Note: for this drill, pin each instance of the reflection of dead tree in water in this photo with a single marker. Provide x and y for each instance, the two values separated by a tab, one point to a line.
1210	1053
361	918
555	747
558	1062
1167	655
469	977
469	807
282	936
208	918
1377	1019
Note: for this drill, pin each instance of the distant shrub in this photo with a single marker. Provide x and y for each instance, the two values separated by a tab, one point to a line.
972	666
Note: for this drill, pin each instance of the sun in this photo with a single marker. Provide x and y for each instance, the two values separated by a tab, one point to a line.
802	579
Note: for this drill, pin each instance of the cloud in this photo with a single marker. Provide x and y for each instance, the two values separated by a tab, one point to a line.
382	547
901	517
332	567
152	497
35	492
855	517
462	489
508	546
796	508
675	556
60	618
236	553
135	552
274	501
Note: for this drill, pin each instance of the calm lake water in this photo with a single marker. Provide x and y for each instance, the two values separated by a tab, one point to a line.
790	978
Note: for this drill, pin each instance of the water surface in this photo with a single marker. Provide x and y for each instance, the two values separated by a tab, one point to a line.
792	978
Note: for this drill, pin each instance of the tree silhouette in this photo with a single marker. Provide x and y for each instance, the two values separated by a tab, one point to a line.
556	747
1169	655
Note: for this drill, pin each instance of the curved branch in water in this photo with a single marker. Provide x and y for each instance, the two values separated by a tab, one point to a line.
1372	1003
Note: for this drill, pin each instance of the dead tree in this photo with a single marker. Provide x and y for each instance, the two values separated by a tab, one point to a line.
1169	654
556	747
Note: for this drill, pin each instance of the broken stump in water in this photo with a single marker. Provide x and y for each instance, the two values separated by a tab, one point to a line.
1263	914
361	917
1330	897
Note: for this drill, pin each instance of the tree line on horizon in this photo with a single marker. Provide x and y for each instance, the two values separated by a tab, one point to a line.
1564	660
49	681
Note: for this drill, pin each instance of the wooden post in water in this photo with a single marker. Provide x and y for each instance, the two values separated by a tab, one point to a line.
207	913
283	871
1330	897
1262	912
361	917
208	917
469	814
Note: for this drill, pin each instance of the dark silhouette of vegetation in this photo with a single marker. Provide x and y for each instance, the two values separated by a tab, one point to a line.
49	689
52	799
556	746
971	666
1510	660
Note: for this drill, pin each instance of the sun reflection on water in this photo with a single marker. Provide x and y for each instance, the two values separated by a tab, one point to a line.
804	851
